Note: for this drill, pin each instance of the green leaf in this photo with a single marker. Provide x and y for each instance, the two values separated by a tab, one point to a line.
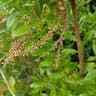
41	51
37	9
88	36
89	83
82	2
92	58
69	36
2	3
53	92
46	63
21	30
34	85
90	66
94	46
11	19
45	66
42	2
69	51
11	81
12	84
51	19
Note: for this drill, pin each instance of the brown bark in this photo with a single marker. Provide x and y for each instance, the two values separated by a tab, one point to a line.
77	34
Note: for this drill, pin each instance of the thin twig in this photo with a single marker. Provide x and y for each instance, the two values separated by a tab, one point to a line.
6	82
77	34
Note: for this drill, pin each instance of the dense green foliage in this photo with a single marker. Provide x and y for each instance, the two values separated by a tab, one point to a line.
33	28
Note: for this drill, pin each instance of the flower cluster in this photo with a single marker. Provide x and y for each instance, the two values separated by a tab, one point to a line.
44	40
17	49
57	60
63	11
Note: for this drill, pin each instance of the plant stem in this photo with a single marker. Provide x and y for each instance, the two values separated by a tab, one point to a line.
77	34
6	82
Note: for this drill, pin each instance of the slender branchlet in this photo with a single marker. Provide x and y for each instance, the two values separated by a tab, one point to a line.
77	34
